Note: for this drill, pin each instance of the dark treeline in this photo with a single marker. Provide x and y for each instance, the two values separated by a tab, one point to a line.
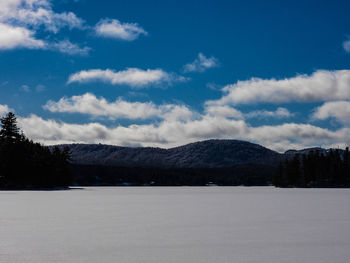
315	169
28	165
249	175
25	164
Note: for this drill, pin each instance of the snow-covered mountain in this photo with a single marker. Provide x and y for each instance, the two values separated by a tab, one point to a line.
204	154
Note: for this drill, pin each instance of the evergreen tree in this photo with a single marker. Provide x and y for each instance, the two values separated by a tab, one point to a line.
10	131
25	164
316	170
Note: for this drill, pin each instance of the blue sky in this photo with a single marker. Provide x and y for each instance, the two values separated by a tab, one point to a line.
165	73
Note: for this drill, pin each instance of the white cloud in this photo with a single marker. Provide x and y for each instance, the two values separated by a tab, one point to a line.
173	112
67	47
12	37
51	131
132	76
340	110
20	20
346	46
201	64
322	85
223	111
36	13
169	133
113	28
230	112
90	104
166	134
4	109
279	113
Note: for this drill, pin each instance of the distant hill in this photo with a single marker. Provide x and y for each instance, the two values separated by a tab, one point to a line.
211	162
204	154
306	151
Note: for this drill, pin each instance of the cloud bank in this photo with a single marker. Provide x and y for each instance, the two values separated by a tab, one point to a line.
169	133
119	109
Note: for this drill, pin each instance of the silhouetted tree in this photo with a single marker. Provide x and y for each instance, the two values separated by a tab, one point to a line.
10	131
316	170
25	164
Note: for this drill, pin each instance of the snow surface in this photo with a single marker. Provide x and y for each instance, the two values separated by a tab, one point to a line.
169	224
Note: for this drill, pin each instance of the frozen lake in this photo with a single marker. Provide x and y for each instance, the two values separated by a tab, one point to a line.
176	224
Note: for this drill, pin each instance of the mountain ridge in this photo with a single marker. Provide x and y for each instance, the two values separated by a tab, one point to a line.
213	153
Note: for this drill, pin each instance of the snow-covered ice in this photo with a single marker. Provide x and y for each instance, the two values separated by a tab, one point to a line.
176	224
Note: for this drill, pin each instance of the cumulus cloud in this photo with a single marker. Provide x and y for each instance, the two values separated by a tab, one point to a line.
340	110
169	133
100	107
12	37
322	85
201	64
113	28
51	131
279	113
36	13
21	20
4	109
346	45
132	76
67	47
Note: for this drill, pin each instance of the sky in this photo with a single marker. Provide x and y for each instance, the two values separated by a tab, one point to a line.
167	73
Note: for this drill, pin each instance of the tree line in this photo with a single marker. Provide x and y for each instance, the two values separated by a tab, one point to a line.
25	164
315	169
102	175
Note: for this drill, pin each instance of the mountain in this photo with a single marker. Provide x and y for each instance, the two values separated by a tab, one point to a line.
211	162
204	154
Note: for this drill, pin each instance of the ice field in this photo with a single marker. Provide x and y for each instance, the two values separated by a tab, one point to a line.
175	224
